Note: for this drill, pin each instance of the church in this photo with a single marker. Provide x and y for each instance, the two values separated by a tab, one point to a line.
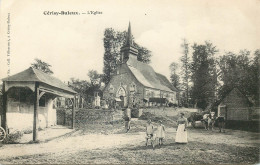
137	84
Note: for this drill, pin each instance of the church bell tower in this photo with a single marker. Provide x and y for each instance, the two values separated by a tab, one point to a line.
128	50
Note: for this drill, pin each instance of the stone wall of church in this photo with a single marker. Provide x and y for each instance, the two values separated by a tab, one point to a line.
123	83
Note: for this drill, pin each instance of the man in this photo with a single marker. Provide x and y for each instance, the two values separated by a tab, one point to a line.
221	123
127	118
204	120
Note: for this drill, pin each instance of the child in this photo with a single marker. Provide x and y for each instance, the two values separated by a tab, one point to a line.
149	131
161	132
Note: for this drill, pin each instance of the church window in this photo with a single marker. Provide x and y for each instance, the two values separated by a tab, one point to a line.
132	87
152	94
147	93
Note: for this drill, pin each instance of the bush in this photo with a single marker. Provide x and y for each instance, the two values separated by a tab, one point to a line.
27	131
13	138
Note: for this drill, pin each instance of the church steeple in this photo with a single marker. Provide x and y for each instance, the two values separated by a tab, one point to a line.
128	50
129	39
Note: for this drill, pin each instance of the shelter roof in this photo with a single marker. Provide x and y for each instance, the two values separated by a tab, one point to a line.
35	75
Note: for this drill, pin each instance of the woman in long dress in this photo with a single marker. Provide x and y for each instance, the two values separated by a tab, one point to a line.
181	135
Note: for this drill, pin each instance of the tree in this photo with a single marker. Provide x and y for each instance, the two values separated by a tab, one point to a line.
144	55
82	88
204	77
256	77
41	65
174	77
241	71
95	78
185	69
113	41
95	82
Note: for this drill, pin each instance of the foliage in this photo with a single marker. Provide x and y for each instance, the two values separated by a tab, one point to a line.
204	76
80	86
144	55
86	88
95	78
175	80
113	41
185	69
174	77
13	138
241	71
43	66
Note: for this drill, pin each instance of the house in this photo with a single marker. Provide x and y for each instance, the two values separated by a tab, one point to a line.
135	83
235	106
28	100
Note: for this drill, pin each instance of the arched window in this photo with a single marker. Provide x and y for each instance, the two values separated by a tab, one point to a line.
120	92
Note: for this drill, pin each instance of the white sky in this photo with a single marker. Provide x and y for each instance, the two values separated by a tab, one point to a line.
73	44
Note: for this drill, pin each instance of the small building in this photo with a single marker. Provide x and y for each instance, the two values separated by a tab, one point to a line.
135	83
28	100
235	106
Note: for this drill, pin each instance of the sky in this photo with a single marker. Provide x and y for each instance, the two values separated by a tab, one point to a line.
73	44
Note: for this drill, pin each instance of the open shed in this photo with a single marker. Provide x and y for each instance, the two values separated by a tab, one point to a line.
28	100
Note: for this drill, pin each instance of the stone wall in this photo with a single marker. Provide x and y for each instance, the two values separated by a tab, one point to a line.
88	116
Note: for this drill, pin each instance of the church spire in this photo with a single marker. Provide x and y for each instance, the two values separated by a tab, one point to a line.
129	39
128	50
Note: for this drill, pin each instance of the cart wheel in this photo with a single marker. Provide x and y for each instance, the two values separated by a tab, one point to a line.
2	134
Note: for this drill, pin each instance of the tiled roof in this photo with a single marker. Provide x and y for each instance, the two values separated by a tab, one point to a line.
36	75
145	74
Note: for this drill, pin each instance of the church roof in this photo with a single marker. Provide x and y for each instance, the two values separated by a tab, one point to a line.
146	75
36	75
166	82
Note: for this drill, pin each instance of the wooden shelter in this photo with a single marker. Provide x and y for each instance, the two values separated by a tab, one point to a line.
28	99
235	106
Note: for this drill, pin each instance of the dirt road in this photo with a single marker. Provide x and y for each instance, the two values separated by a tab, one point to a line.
112	145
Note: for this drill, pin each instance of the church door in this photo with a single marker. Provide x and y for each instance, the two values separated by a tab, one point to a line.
121	93
122	101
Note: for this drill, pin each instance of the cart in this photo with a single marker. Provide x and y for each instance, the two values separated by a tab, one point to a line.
2	134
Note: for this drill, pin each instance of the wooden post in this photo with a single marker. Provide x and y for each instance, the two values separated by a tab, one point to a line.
73	113
4	119
35	113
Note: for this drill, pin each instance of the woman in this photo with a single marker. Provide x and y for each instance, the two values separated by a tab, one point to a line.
181	135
